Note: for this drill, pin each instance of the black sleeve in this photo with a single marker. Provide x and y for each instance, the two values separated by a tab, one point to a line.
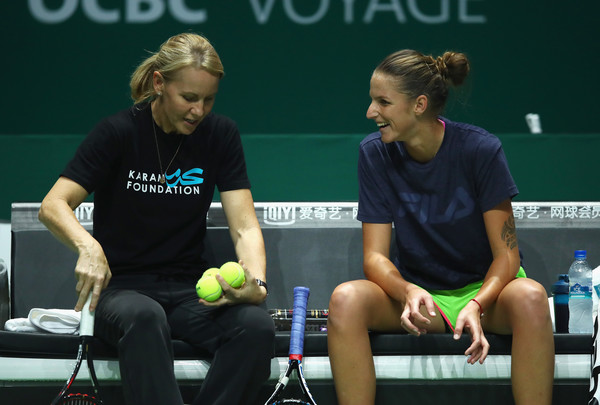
98	155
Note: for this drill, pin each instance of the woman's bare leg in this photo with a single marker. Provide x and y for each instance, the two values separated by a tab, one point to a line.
522	309
355	308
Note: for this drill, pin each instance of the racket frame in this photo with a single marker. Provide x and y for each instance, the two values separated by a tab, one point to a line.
86	334
295	354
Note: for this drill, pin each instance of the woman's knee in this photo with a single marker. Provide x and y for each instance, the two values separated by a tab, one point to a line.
352	303
117	317
528	300
150	314
534	295
342	299
258	325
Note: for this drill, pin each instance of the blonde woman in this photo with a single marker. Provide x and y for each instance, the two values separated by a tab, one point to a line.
153	169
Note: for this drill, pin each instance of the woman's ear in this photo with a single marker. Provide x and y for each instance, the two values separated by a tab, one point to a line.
158	82
421	104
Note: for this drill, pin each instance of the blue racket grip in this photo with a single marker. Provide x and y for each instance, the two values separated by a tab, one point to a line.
298	321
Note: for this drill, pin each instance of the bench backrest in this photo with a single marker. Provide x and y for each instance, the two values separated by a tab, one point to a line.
318	245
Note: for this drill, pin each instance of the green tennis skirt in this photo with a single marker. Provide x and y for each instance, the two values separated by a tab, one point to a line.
451	302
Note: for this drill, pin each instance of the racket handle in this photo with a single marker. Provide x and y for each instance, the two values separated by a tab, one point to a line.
298	321
86	325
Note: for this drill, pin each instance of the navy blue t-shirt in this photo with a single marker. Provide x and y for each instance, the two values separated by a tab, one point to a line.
436	207
144	225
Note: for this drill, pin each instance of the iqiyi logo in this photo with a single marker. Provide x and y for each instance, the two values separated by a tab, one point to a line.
189	178
279	215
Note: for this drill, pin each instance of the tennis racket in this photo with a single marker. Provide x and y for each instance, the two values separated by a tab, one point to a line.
86	333
295	354
288	313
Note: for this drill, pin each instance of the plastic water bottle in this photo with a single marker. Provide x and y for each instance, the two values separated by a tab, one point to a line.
560	292
580	294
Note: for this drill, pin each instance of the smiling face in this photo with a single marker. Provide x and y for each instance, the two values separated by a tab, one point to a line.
394	113
185	100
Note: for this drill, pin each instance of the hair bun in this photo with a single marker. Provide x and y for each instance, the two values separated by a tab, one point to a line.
453	66
440	64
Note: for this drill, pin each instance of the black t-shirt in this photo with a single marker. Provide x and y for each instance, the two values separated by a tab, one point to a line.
144	225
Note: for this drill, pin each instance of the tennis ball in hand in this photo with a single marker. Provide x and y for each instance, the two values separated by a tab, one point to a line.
233	273
210	272
208	288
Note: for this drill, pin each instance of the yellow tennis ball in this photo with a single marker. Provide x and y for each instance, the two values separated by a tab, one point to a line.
208	288
233	273
210	272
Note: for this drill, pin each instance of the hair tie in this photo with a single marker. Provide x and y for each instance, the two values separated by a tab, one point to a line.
440	64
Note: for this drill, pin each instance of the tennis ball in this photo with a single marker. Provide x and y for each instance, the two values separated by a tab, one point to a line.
210	272
208	288
233	273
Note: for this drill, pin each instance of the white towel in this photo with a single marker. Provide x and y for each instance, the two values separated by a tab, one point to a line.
594	394
20	325
62	321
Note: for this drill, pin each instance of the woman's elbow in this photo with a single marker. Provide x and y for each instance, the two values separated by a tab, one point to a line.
43	212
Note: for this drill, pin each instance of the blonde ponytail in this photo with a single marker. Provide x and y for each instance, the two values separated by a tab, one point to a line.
176	53
141	80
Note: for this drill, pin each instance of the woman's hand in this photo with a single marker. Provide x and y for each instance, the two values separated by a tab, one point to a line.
250	292
470	318
92	274
56	212
413	321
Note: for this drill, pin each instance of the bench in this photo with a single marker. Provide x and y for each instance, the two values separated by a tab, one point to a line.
318	245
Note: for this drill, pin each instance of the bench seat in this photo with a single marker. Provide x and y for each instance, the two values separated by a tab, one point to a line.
49	345
316	245
37	363
52	346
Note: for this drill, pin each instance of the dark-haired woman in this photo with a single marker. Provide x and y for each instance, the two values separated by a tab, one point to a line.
446	188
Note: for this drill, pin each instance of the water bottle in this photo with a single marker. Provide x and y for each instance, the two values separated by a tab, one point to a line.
560	291
580	295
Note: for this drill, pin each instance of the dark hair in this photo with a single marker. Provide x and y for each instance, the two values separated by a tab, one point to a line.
416	74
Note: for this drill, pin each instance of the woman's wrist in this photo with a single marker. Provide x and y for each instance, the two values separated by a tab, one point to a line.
479	305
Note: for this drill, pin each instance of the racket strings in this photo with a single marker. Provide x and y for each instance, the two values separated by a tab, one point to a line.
80	399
